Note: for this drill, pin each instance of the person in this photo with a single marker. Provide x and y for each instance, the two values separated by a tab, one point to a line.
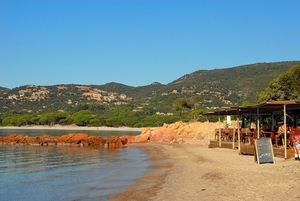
252	126
267	126
281	132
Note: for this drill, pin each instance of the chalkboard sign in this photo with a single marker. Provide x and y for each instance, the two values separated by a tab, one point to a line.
264	150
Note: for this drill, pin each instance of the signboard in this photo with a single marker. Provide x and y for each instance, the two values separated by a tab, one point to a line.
264	150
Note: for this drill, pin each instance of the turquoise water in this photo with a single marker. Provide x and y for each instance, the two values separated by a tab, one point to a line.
66	172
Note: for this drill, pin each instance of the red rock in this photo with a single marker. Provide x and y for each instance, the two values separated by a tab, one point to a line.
163	135
143	138
33	140
14	139
92	140
127	139
62	139
114	142
76	139
48	140
146	130
72	138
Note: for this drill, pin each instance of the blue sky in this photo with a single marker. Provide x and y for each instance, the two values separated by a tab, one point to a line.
49	42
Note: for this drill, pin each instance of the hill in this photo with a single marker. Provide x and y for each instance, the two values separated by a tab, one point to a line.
218	87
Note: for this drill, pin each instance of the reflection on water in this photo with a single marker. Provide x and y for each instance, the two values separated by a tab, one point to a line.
67	172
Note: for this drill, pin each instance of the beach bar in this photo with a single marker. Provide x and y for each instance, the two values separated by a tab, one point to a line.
277	120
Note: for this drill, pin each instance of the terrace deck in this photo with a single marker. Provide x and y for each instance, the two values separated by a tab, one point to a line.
247	149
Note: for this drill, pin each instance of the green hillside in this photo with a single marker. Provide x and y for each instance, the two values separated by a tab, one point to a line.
216	88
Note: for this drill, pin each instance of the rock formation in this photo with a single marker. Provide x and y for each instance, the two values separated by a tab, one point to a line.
170	133
79	139
174	133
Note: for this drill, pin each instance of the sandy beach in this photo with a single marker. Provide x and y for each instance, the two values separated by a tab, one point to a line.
192	171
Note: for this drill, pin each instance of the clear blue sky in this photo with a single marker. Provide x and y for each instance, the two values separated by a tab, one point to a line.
48	42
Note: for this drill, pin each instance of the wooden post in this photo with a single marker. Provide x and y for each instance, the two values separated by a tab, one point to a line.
208	133
233	136
239	137
257	127
219	131
284	123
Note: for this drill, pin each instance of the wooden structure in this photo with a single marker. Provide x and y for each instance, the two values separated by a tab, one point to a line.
285	114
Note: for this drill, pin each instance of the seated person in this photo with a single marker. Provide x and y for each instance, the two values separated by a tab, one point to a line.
281	132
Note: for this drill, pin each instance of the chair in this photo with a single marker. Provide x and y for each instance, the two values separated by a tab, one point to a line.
254	136
289	140
278	137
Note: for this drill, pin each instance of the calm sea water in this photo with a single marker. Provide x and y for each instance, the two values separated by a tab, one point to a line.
57	132
67	173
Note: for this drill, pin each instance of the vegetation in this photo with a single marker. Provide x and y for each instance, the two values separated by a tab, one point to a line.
284	87
114	104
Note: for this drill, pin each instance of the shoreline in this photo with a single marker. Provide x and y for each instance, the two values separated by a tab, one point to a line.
148	185
192	171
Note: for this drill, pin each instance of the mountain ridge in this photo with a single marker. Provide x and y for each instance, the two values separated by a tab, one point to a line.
218	87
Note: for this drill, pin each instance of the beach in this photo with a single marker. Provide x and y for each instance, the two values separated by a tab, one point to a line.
192	171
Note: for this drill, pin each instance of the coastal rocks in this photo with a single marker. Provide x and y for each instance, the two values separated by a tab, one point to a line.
177	132
144	136
128	139
93	141
14	139
48	140
33	140
72	138
163	134
80	139
114	142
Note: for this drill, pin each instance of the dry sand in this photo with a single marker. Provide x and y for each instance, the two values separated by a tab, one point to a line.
192	171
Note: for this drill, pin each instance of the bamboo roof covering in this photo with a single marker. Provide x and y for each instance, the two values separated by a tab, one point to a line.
292	106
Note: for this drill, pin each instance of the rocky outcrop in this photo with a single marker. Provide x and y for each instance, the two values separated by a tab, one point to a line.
114	142
72	138
174	133
92	141
80	139
14	139
170	133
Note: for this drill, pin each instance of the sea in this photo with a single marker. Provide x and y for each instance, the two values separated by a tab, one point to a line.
67	173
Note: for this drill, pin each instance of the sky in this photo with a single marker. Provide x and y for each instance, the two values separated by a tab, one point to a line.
138	42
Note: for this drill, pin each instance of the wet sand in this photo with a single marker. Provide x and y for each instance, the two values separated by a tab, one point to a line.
192	171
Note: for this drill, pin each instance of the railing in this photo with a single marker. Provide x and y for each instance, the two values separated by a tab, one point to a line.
247	135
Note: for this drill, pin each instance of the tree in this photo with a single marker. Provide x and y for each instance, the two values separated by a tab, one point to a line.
285	87
10	121
48	118
112	121
194	101
246	103
180	105
26	119
83	117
